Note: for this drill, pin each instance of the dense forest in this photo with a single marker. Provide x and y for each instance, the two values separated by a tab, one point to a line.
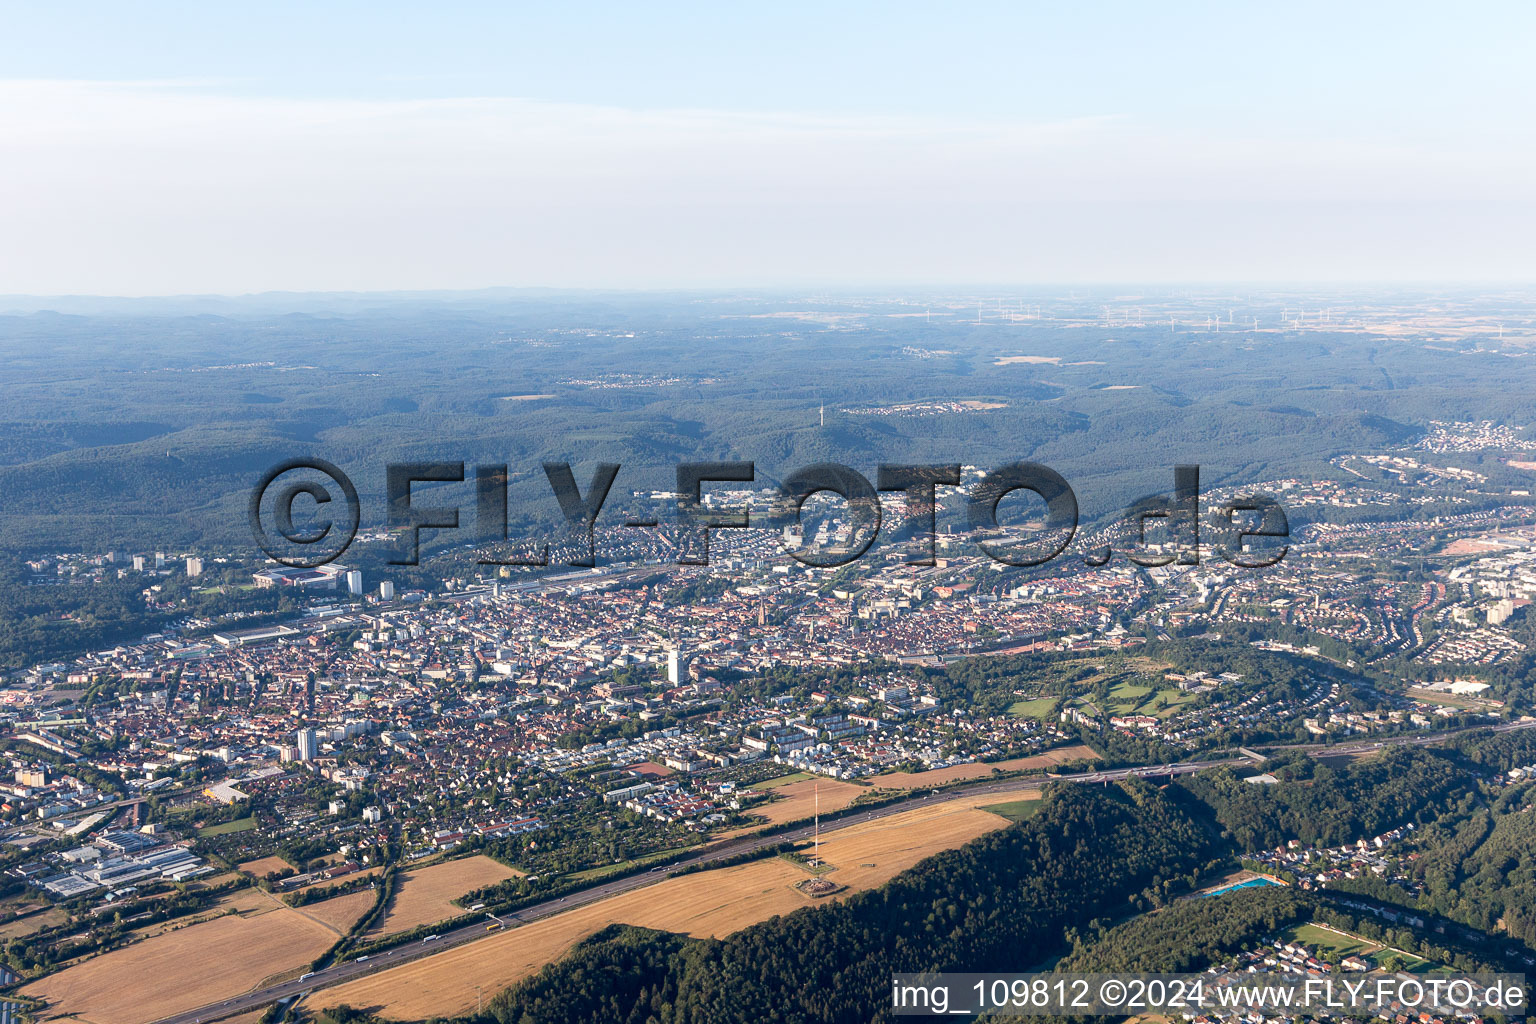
1189	935
1478	866
1497	752
1328	805
46	623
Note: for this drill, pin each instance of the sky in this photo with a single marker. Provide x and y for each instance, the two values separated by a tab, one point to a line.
158	148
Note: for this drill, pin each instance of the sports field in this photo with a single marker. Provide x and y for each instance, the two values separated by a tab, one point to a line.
227	827
1331	944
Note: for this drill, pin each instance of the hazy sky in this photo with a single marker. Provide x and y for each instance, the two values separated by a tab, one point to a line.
174	148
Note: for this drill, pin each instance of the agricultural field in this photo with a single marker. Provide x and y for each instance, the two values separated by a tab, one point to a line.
444	985
265	866
425	895
218	880
799	799
340	912
16	928
241	901
192	966
708	903
954	773
872	853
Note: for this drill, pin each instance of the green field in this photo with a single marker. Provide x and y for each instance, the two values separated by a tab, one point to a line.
1128	694
1174	701
238	825
1397	960
608	869
1331	945
1134	698
1016	810
782	780
1039	708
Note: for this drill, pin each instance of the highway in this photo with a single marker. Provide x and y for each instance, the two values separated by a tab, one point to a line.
351	969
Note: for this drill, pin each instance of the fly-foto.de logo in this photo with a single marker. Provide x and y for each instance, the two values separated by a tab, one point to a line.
1249	530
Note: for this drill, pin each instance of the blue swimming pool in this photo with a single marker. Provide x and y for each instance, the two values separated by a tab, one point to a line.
1243	885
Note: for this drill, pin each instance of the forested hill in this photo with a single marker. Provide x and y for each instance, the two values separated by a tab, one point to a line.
1190	935
1003	902
1326	805
146	428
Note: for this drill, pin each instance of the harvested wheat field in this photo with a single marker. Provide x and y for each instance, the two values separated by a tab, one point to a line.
191	967
872	853
266	866
444	984
713	903
242	901
954	773
340	912
798	799
425	895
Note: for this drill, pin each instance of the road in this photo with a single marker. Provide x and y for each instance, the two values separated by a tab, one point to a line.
352	969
